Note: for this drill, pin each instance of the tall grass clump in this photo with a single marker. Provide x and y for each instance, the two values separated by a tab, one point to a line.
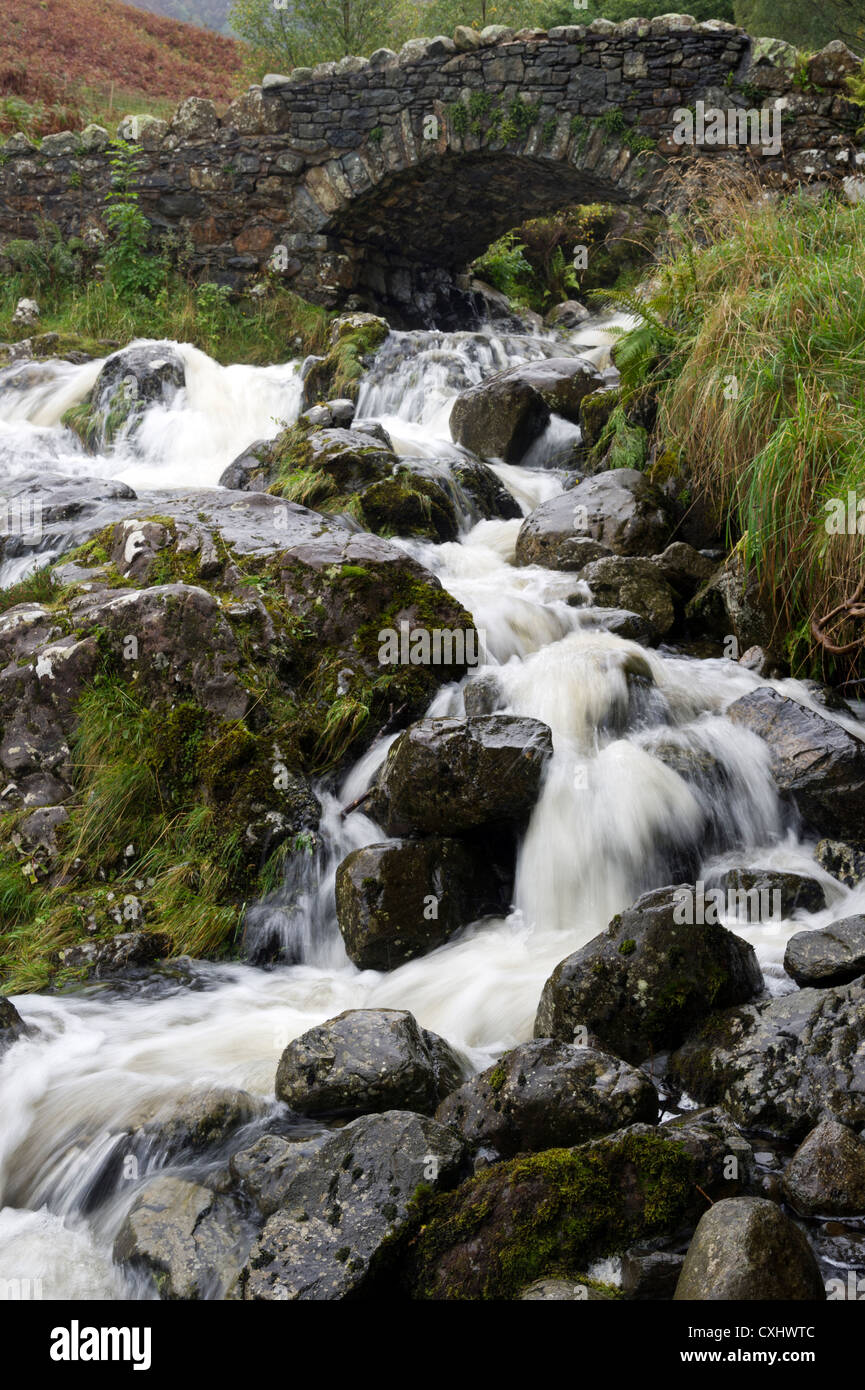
753	338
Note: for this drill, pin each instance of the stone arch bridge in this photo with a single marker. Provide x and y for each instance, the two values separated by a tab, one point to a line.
381	178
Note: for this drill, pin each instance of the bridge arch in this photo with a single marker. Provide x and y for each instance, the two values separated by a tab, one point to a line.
383	177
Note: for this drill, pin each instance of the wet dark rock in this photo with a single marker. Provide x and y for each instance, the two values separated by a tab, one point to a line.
500	418
683	567
814	760
447	775
762	892
650	1274
746	1248
403	898
569	314
563	382
731	603
780	1065
264	1170
190	1240
483	695
619	508
635	584
250	471
487	493
344	1217
826	1175
833	955
367	1060
841	861
633	627
201	1122
99	959
547	1094
642	985
11	1023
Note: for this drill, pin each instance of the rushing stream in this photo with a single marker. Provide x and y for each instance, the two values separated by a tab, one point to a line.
612	821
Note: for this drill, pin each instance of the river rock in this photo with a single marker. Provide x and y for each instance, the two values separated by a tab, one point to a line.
343	1217
500	418
486	492
780	1064
447	775
201	1122
129	382
569	314
632	583
191	1241
101	959
841	861
550	1214
814	760
622	623
645	982
780	893
563	382
826	1175
746	1248
11	1023
649	1274
731	603
547	1094
832	956
562	1291
683	567
366	1060
619	508
401	899
264	1170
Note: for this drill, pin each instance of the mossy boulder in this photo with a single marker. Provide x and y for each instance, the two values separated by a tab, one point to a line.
548	1215
642	985
129	383
408	504
354	339
595	410
211	659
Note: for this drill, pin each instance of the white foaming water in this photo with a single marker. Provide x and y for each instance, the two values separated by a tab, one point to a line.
187	443
613	819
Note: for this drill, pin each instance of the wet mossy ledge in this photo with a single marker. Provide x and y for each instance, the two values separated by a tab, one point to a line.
171	689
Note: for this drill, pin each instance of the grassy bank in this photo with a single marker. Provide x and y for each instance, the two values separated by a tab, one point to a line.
230	328
754	343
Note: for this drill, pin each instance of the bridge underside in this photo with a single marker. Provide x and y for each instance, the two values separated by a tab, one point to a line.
410	240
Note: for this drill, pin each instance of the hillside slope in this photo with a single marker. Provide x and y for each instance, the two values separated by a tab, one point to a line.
63	52
212	14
